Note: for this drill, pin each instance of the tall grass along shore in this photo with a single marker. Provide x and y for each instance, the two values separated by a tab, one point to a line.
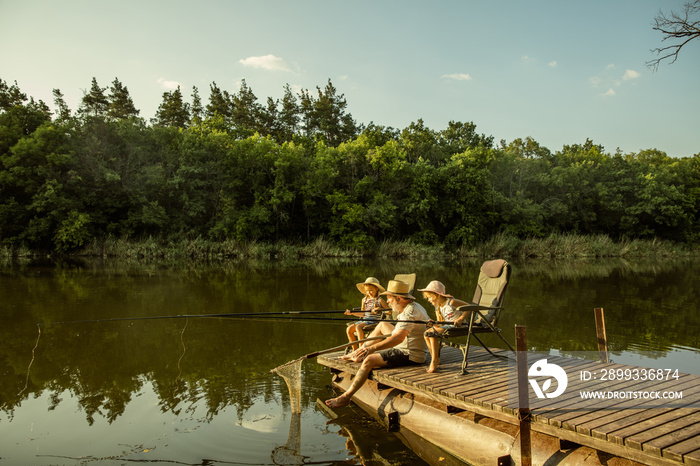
500	245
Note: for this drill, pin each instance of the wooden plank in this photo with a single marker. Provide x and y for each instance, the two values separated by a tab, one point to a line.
594	424
656	439
692	458
494	397
477	386
682	451
591	407
542	408
639	422
617	431
623	419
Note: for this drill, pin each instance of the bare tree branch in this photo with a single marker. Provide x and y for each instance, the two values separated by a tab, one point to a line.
676	27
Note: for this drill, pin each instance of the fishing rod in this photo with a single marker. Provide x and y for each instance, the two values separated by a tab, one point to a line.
277	314
299	315
280	369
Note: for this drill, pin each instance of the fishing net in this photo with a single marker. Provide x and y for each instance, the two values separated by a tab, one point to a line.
291	373
289	454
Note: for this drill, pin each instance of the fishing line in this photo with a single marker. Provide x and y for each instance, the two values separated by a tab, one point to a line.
184	350
26	382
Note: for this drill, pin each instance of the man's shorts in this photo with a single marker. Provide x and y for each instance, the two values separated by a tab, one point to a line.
395	358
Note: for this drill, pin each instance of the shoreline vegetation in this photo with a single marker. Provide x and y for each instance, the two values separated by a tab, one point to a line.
555	246
301	179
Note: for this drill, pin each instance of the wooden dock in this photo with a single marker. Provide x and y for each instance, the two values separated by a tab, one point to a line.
640	431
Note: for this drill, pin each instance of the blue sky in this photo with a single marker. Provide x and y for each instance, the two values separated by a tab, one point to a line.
557	71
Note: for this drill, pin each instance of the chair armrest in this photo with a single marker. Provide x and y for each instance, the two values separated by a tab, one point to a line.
476	307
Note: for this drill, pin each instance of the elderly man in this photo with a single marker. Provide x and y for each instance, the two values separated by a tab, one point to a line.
405	346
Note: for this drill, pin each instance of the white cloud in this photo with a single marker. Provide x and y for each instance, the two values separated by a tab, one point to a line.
608	80
266	62
553	63
595	81
165	84
630	74
458	76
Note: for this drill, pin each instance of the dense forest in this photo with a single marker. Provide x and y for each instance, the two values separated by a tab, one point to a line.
301	168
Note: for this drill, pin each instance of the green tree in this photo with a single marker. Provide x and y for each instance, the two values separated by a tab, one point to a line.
94	102
308	118
197	108
219	104
246	111
63	111
121	105
10	96
173	111
380	135
270	122
458	137
334	124
660	206
521	199
245	213
464	198
419	141
288	116
39	209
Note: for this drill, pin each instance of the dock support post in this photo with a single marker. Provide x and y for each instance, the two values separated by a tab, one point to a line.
602	338
523	398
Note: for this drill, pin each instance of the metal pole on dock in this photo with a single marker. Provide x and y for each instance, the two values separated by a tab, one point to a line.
602	338
523	399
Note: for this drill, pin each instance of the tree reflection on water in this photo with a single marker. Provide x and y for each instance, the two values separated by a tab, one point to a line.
199	368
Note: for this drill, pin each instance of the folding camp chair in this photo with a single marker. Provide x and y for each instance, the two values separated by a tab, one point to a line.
485	309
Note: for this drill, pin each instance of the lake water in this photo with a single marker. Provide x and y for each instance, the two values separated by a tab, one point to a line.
81	386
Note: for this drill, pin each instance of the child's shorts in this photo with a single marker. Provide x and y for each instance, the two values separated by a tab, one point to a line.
367	320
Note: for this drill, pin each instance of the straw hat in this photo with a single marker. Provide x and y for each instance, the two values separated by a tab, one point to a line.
437	288
398	288
369	281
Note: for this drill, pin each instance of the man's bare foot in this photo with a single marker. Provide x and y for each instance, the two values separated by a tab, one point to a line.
338	402
359	357
433	366
349	357
355	356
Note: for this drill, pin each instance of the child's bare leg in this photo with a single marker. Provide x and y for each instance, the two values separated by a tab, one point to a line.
359	329
434	347
351	338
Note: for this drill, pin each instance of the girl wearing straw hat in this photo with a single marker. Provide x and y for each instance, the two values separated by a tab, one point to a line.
369	310
446	312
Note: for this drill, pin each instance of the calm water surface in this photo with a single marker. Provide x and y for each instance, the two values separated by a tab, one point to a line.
77	389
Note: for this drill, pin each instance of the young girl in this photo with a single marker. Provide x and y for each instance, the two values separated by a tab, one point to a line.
435	294
371	302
